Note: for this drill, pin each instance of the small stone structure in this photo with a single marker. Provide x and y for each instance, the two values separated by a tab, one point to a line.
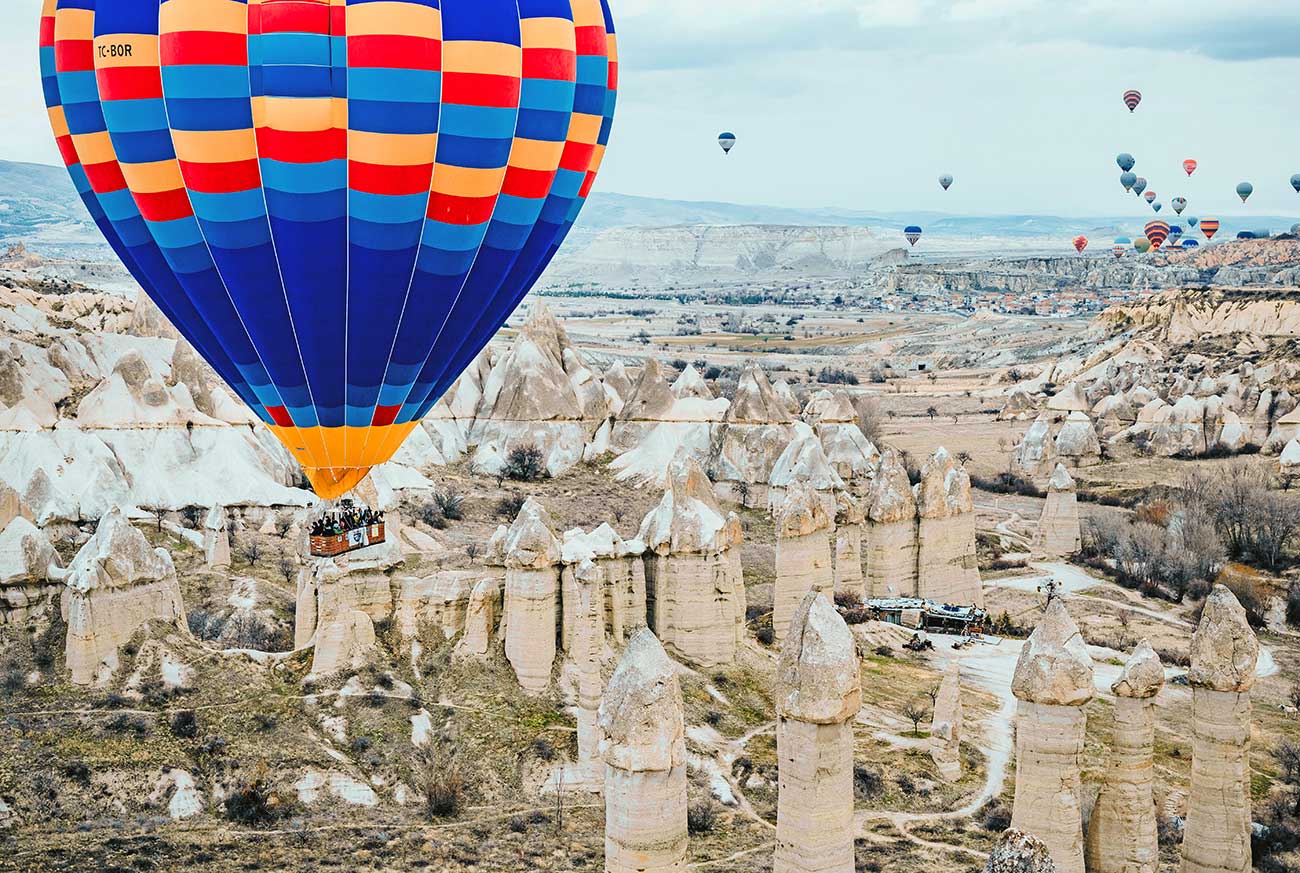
817	696
1059	532
946	730
1053	681
803	553
1122	829
643	745
1225	653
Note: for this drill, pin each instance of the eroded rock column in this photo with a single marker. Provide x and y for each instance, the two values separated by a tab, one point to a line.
216	539
1053	681
803	554
1059	533
889	544
848	545
1225	653
946	726
531	596
1122	830
644	749
817	695
947	567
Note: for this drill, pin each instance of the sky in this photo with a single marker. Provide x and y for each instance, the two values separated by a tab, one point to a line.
862	104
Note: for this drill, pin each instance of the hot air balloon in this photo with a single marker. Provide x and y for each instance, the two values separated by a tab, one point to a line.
1157	206
1132	99
1190	243
1080	243
1121	245
727	141
1149	196
1175	234
1189	166
1126	161
912	233
1140	185
946	181
1295	182
1157	232
1295	230
1142	244
1244	190
272	186
1128	180
1192	220
1245	234
1179	204
1209	227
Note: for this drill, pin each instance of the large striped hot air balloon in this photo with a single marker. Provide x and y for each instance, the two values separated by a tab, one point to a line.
337	202
912	233
1132	99
1126	161
1179	204
1209	227
1121	245
1140	185
1156	233
727	140
1189	166
1080	243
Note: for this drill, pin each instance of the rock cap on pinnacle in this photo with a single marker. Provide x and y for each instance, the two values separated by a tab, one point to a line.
1054	667
817	678
1225	651
640	719
1143	674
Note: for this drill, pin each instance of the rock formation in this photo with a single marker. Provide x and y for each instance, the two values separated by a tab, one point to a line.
480	619
617	568
1122	829
946	566
1225	653
1053	681
803	554
804	461
1059	532
345	639
849	523
847	448
643	745
216	539
655	425
532	558
817	696
890	540
1035	457
1289	460
946	730
115	585
1077	443
1020	853
29	572
695	593
754	433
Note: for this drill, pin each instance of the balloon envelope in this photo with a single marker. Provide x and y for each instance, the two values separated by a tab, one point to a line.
1126	161
1190	243
1244	190
1142	244
1295	229
1245	234
1128	180
1121	245
1140	185
946	181
1179	204
1132	99
726	140
1192	220
1295	182
1209	227
1157	206
1189	166
1080	243
912	233
1156	233
1149	196
337	223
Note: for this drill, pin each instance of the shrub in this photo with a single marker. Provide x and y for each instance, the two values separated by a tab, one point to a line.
509	506
765	634
253	802
836	376
185	724
451	504
524	464
205	625
78	771
443	789
543	749
884	651
129	723
713	718
430	513
995	817
868	784
701	817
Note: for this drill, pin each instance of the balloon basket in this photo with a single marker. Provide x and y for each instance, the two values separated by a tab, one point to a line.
333	545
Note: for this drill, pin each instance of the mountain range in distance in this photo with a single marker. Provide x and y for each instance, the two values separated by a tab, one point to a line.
40	207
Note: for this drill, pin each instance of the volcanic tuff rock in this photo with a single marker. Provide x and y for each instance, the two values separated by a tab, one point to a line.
803	553
1077	443
890	538
1017	852
532	559
947	568
804	460
946	729
1225	651
29	571
1035	457
817	696
115	585
1059	532
643	744
1054	667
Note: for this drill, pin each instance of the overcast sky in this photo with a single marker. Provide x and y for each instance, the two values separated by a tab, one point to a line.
864	103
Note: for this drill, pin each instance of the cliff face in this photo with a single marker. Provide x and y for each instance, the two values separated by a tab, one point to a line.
1184	316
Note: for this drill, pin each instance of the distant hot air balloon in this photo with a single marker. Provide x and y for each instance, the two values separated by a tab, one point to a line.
1149	196
1080	243
1209	227
271	185
1244	190
1142	244
946	181
1157	232
1128	180
1179	204
1175	234
1189	166
1192	220
1157	206
1190	243
1126	161
1295	230
1140	185
727	140
1295	182
1121	245
912	233
1132	99
1245	234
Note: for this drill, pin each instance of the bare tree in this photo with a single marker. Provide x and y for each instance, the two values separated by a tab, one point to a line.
283	524
1274	522
916	712
287	568
932	412
252	551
